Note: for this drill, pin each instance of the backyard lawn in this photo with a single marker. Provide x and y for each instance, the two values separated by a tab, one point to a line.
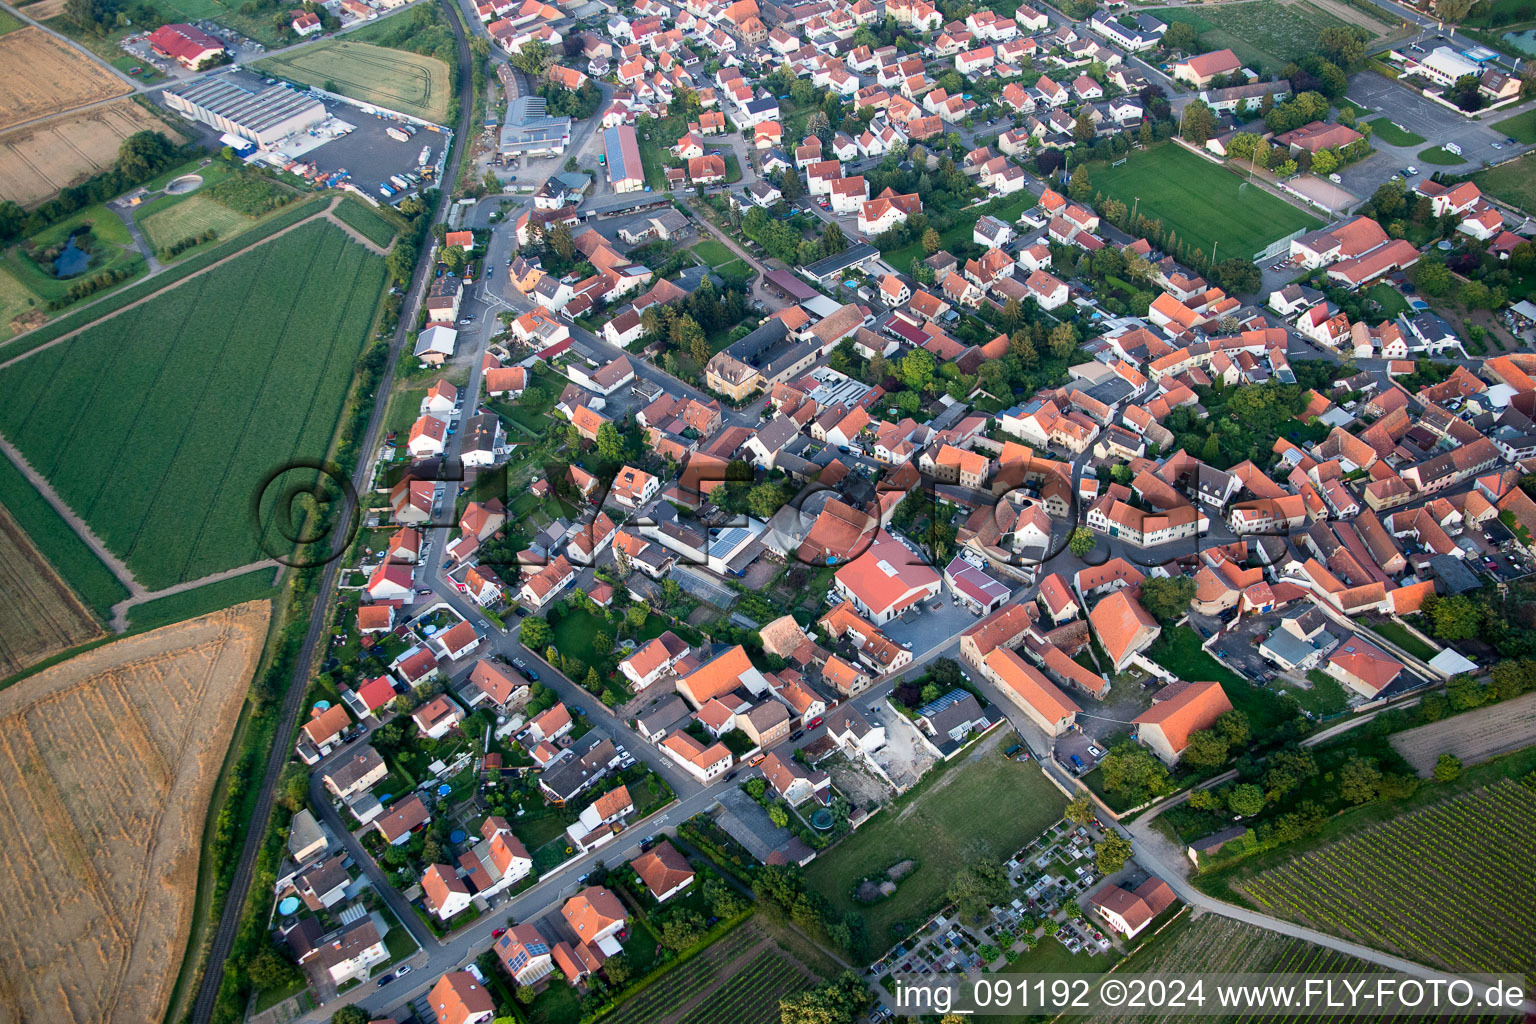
1181	189
1180	652
952	818
1398	634
712	253
1390	299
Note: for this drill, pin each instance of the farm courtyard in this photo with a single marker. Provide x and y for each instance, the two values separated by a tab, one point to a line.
981	805
1180	189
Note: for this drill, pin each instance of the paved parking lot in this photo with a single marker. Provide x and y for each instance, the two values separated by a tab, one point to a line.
1438	125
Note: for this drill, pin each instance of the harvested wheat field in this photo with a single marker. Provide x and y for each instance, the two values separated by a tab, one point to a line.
107	764
40	75
39	614
37	161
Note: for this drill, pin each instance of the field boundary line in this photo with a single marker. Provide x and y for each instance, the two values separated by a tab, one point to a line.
353	233
120	610
117	566
318	214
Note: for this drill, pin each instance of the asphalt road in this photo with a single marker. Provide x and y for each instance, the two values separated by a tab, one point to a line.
293	699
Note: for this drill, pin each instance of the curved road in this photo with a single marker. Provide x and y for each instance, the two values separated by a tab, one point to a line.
293	700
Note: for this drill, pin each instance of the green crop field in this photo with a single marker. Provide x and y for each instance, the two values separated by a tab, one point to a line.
65	551
948	820
1449	885
1514	182
407	82
1181	189
159	424
365	222
1265	34
751	994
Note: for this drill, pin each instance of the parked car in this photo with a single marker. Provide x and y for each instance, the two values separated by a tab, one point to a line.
815	722
403	971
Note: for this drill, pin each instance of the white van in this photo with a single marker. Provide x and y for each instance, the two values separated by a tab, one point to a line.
1451	147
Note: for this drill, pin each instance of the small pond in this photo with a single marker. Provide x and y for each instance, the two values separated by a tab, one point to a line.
73	260
1524	41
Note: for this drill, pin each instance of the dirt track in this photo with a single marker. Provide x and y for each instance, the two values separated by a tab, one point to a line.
107	764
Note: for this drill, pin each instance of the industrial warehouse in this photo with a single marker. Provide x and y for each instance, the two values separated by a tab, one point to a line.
264	115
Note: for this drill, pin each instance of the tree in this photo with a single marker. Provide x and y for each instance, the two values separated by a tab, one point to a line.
1233	727
1181	37
916	369
268	969
401	261
1447	768
351	1015
293	787
1454	618
560	240
1063	341
1167	597
978	887
1206	748
766	499
931	242
778	815
1246	799
610	443
1073	910
1359	780
1111	853
1078	186
1134	771
1082	541
1199	123
1288	769
832	241
681	930
840	1001
1083	129
536	634
535	58
1080	810
143	154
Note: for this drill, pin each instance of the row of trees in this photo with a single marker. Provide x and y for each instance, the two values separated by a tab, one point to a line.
140	157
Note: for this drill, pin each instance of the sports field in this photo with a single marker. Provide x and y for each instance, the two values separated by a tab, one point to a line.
1514	182
407	82
1265	34
952	818
1202	202
158	425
